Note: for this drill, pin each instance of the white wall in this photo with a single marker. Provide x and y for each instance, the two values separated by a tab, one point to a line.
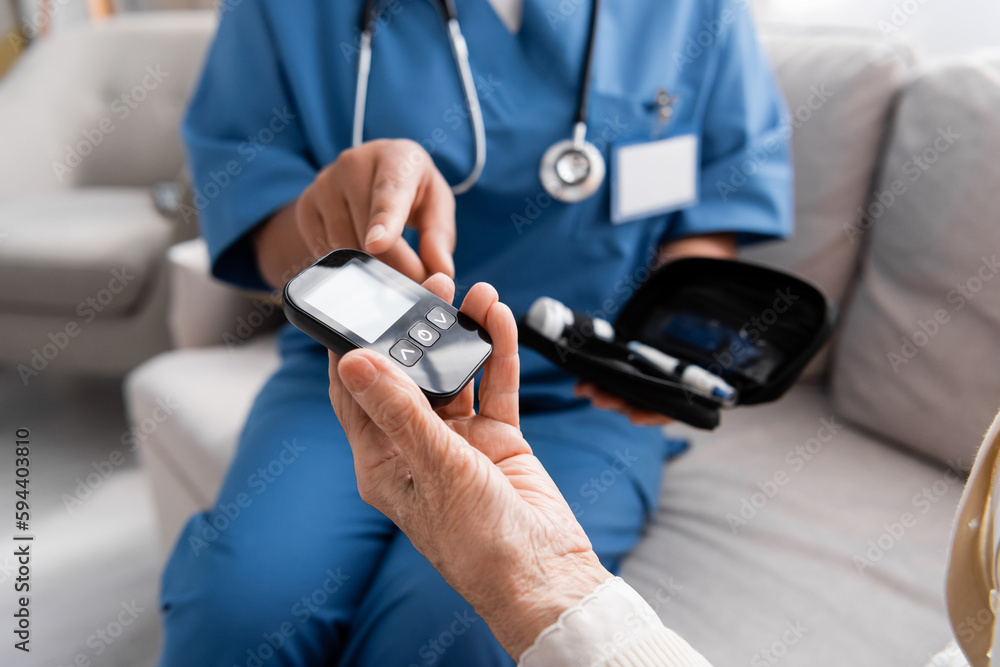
938	27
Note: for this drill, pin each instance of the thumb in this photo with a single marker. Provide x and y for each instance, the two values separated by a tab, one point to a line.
399	409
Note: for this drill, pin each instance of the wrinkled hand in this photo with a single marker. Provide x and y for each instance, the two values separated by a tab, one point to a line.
465	487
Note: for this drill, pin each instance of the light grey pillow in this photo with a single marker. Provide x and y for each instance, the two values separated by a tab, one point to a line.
840	84
919	357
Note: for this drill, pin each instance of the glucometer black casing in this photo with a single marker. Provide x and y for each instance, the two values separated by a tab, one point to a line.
445	365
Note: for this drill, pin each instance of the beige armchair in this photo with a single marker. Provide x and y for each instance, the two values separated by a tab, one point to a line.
89	120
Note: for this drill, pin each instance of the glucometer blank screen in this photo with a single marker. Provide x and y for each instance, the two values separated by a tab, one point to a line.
358	300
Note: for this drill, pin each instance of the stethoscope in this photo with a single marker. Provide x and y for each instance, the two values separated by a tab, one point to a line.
571	170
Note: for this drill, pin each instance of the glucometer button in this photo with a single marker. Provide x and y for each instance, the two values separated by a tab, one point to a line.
441	318
405	352
424	334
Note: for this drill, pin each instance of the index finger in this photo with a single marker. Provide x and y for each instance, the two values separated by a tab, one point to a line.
434	218
407	188
391	199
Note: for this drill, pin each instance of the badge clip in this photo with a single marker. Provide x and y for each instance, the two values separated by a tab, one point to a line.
663	104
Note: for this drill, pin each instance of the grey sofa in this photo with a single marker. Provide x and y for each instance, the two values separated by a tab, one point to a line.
812	531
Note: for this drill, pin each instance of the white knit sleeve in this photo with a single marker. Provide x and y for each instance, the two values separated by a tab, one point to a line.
611	627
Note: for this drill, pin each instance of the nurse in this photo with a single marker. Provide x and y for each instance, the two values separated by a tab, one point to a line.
677	103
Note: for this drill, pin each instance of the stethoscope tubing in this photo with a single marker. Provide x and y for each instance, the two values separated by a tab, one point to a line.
460	51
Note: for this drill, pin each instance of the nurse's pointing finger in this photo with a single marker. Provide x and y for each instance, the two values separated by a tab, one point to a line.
435	218
400	168
407	188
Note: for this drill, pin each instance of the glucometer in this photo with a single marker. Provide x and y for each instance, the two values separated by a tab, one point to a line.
349	300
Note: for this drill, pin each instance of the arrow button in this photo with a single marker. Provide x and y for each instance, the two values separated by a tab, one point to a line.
441	318
405	352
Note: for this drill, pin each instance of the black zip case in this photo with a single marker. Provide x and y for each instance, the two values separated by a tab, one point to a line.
755	327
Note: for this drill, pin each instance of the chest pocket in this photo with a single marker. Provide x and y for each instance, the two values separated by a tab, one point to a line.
623	118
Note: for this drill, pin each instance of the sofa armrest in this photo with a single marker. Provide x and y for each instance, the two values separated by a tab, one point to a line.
204	311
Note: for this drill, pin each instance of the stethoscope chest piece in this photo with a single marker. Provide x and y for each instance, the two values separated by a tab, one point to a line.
572	170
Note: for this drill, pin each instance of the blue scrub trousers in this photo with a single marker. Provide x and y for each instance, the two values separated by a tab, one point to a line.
292	568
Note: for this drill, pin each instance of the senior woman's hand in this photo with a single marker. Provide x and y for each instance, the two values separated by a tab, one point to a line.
465	487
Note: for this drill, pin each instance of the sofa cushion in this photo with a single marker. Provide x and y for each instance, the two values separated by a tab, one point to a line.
80	254
840	85
204	311
918	361
787	537
211	391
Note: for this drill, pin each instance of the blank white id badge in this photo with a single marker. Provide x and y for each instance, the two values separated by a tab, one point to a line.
654	177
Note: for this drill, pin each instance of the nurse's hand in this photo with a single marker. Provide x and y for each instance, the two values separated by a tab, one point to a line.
465	487
605	401
363	201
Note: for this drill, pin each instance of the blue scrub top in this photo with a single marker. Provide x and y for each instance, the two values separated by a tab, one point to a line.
275	105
